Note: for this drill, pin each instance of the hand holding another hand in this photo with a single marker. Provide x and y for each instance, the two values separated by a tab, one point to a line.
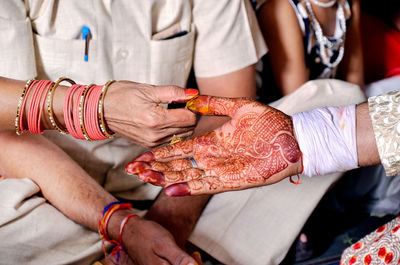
256	147
133	111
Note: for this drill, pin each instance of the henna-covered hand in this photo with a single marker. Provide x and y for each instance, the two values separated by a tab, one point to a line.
256	147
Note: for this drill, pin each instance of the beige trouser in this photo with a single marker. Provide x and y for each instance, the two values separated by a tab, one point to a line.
255	226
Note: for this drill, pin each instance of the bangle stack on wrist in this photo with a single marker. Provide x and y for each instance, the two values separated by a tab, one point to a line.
103	224
83	109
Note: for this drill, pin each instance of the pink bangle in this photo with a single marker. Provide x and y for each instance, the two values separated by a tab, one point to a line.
82	102
32	105
68	110
83	112
25	99
91	114
76	112
36	106
20	113
45	92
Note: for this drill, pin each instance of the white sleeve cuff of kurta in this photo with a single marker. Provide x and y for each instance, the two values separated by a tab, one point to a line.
327	140
231	42
384	111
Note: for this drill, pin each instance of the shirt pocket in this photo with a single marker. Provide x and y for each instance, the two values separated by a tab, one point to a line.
171	60
56	58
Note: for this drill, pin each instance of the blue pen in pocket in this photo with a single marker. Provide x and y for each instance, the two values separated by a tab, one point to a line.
86	35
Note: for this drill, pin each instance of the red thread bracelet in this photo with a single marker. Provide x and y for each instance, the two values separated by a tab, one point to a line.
103	223
123	224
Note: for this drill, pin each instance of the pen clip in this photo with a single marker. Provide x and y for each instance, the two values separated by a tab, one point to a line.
86	35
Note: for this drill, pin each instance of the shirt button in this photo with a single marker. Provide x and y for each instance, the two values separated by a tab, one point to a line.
123	53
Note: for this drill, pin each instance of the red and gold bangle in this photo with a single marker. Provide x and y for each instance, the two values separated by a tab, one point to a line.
50	110
18	129
68	110
76	112
36	106
103	125
91	119
82	111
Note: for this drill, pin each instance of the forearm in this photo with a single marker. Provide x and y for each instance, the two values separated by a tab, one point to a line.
62	182
367	150
10	93
352	69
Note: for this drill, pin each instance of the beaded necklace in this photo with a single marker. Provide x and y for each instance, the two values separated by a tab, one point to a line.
323	41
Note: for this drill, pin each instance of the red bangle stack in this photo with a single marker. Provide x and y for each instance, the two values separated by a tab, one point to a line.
83	109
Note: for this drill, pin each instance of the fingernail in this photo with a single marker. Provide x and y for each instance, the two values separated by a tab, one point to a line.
180	189
191	93
199	105
136	167
151	176
145	157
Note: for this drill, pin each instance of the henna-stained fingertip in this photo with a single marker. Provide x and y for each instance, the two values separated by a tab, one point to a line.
180	189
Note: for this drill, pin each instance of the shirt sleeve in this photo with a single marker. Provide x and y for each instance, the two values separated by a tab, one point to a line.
17	54
385	115
228	37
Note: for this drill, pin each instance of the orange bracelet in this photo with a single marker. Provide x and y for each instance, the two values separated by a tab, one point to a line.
103	222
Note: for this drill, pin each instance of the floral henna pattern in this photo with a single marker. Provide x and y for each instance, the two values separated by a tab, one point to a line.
256	144
260	146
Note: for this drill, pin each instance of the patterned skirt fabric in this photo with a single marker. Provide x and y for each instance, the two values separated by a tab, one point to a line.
379	247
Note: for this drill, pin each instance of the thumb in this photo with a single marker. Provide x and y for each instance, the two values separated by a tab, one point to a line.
168	94
209	105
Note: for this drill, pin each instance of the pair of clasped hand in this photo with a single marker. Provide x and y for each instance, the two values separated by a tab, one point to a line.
256	147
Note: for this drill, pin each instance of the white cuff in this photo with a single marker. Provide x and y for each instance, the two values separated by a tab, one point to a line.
327	139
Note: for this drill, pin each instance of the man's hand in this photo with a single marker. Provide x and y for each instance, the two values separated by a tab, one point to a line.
132	110
149	243
256	147
145	242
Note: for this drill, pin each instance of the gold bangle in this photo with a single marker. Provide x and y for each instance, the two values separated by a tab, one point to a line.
103	126
19	107
50	96
81	110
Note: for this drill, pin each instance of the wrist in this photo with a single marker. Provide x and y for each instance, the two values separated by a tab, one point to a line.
110	97
327	140
114	225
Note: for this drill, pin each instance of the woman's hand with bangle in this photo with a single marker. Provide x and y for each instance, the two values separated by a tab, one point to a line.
133	111
256	147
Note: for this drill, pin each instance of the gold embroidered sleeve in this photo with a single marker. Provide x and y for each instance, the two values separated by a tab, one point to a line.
385	115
